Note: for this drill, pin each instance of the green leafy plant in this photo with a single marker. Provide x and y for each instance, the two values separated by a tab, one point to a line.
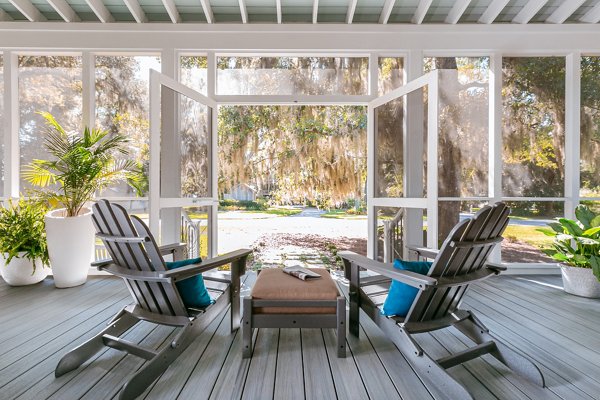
81	166
22	229
576	242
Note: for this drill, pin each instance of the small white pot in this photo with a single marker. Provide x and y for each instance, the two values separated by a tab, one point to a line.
19	272
70	246
580	281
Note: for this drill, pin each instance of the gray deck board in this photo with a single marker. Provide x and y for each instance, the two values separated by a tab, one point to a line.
40	323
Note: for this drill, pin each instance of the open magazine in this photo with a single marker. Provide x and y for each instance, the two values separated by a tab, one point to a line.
301	273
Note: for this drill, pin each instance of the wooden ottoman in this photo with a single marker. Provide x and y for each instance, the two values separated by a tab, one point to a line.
279	300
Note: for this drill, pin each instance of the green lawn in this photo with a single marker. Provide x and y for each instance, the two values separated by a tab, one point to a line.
282	212
342	214
527	234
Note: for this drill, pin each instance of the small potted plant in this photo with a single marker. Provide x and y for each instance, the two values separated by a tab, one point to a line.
576	246
24	253
81	166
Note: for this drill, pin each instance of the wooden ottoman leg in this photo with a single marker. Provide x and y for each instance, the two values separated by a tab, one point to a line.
341	326
247	328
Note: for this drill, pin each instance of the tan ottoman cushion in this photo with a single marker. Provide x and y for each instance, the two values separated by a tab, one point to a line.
274	284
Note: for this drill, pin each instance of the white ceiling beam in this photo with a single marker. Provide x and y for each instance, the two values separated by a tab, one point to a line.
28	10
421	12
315	11
4	16
592	16
64	10
351	10
528	11
100	10
457	11
243	11
386	11
207	9
492	12
564	11
278	6
136	10
172	11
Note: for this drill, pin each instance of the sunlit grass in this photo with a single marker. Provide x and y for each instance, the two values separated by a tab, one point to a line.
343	214
527	234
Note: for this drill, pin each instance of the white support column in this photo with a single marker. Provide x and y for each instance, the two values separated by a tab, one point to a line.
211	74
371	211
495	136
432	161
373	75
213	220
572	132
88	79
170	178
11	125
413	147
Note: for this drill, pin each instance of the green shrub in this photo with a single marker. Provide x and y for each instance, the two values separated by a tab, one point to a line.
22	229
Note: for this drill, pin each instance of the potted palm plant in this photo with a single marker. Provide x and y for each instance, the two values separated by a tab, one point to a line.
23	249
576	246
81	166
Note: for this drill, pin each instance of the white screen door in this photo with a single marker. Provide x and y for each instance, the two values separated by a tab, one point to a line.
402	162
183	171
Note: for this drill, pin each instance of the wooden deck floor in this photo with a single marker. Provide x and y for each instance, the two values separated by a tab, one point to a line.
40	323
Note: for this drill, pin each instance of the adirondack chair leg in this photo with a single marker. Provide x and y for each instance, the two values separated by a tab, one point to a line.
247	328
341	326
474	329
142	379
428	368
354	293
80	354
237	268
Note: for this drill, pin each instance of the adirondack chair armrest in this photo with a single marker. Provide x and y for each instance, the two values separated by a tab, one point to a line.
147	276
176	249
496	267
425	252
208	264
388	270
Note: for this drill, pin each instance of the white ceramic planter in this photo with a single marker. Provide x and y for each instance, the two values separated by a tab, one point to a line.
70	246
19	272
580	281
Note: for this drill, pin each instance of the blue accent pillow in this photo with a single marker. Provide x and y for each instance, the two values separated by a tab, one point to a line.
401	295
192	290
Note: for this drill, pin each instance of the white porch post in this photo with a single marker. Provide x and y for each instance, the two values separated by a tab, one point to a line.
572	132
371	167
170	175
88	79
413	151
11	125
495	137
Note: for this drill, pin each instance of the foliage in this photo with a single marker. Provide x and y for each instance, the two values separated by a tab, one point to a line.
232	205
576	242
22	229
82	166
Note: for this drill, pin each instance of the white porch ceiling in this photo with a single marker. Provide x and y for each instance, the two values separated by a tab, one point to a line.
305	11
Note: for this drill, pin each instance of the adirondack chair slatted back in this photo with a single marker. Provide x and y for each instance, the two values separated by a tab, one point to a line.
464	252
157	297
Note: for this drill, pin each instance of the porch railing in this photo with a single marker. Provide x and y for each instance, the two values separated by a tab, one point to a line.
393	237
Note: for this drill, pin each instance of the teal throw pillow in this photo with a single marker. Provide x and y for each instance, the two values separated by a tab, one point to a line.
192	290
401	295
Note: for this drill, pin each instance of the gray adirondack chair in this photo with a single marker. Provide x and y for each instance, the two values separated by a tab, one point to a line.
461	261
139	261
